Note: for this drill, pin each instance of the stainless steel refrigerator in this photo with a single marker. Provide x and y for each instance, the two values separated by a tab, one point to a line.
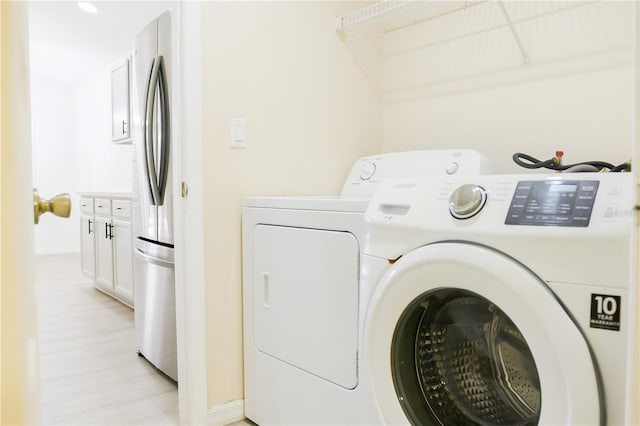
154	293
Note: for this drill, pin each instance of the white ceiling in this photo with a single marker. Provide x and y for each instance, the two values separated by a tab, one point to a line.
69	45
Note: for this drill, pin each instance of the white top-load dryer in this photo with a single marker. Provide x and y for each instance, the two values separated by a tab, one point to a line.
304	304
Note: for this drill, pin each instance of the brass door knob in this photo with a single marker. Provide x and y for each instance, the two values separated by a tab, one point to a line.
60	205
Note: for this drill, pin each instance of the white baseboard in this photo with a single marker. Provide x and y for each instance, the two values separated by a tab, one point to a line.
224	414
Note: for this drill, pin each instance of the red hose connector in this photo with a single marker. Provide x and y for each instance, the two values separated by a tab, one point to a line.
557	160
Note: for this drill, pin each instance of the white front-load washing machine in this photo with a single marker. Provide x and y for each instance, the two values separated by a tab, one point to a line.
303	300
508	300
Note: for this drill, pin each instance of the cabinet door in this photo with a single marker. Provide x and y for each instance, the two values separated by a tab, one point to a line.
104	252
122	243
120	102
87	246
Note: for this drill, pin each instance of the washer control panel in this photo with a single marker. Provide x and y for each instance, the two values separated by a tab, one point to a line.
552	203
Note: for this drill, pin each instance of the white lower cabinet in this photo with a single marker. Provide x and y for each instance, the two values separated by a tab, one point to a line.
122	240
108	235
104	252
88	244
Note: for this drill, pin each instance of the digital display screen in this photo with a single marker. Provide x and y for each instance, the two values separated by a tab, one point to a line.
563	188
552	203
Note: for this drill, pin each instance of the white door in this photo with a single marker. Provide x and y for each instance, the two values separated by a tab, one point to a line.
19	397
461	332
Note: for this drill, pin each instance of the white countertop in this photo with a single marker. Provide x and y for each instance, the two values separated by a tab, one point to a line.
127	195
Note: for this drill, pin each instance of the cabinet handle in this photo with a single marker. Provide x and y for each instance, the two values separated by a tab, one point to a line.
108	231
89	223
124	123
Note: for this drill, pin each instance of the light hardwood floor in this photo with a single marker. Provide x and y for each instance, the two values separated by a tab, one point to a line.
89	370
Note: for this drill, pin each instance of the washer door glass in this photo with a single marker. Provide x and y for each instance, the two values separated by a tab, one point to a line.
457	359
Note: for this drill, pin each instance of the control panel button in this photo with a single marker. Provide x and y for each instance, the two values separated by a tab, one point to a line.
367	170
467	201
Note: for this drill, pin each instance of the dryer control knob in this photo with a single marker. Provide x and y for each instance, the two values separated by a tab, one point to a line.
467	201
452	168
367	170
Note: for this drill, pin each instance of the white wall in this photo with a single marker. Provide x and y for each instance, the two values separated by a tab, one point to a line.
310	114
103	165
55	158
73	152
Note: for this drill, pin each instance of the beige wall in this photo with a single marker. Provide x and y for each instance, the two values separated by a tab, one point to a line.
587	116
310	113
470	88
314	103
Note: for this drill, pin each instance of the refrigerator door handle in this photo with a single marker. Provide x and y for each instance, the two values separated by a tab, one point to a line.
147	132
165	135
153	260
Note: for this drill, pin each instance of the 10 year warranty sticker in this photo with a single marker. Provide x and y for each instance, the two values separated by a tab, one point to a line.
605	312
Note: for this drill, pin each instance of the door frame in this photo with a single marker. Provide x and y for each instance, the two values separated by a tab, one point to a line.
634	366
188	215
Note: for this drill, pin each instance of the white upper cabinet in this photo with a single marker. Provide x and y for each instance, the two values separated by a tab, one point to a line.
120	111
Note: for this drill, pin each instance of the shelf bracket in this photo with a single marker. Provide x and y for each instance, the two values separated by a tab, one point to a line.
516	37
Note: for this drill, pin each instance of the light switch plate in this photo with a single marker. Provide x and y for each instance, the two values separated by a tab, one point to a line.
238	133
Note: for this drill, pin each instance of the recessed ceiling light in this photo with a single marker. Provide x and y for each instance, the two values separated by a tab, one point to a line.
87	7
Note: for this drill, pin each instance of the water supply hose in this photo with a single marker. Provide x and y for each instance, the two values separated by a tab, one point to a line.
555	163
